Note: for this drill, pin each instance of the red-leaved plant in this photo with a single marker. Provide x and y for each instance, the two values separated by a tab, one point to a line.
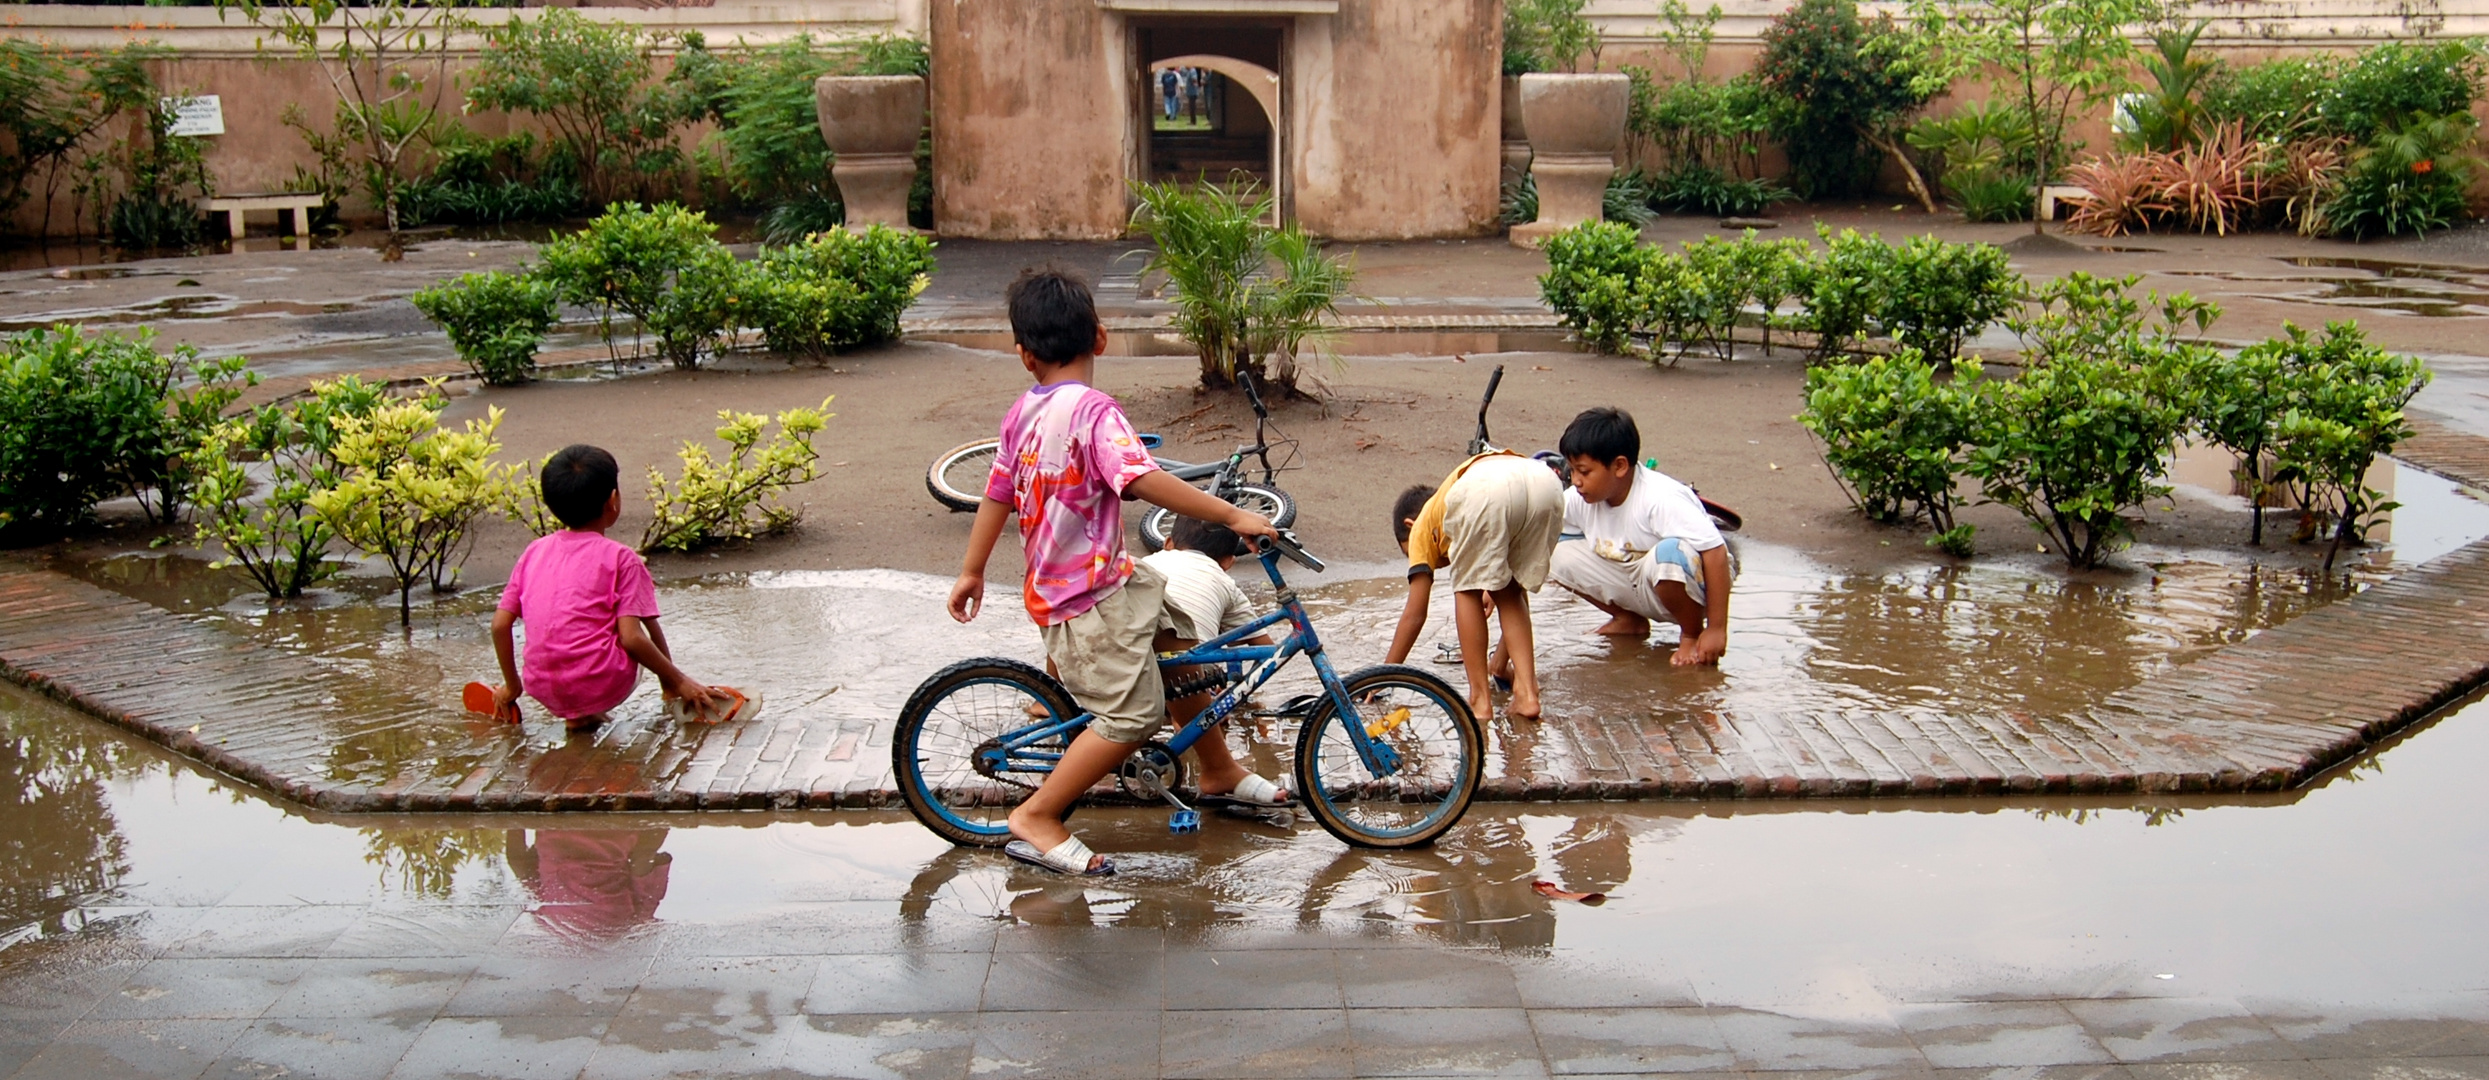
2213	185
2122	193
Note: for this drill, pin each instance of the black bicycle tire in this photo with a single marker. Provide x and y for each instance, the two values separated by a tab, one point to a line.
955	499
907	774
1308	748
1159	522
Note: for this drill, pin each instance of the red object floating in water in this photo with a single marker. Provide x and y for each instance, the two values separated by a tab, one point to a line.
1553	891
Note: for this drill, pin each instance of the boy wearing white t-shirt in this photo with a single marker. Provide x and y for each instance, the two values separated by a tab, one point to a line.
1648	549
1202	603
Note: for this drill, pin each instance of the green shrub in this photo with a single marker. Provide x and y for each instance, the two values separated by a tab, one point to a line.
1988	152
2408	180
494	320
408	490
2236	401
1248	295
1546	35
739	498
86	419
481	181
2086	432
277	538
2274	101
2345	410
1701	189
838	289
1845	289
1939	294
635	260
2392	86
1894	433
1585	283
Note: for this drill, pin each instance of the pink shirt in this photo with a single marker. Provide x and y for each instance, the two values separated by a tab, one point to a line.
1067	455
572	589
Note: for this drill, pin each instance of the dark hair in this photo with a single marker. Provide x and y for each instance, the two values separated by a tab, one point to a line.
1052	314
577	480
1602	435
1207	537
1406	508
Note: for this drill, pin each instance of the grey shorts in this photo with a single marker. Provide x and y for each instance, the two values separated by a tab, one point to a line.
1502	517
1104	656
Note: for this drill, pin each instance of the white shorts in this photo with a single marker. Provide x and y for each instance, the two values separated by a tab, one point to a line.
1631	585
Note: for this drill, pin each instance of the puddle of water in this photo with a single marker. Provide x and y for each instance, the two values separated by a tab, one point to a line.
1824	907
2424	289
845	648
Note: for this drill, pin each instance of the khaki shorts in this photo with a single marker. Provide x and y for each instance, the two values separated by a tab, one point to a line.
1502	518
1103	656
1631	585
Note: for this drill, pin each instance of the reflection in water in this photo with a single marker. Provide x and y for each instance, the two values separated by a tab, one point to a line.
592	884
60	848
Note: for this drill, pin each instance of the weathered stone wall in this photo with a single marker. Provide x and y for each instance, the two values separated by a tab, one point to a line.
1397	118
1030	132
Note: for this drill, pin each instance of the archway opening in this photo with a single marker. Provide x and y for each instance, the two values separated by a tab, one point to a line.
1213	106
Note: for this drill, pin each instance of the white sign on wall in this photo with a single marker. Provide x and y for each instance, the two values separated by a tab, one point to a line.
200	115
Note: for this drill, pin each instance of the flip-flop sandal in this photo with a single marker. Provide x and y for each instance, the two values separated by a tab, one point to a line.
737	706
1254	792
1071	857
1448	653
479	700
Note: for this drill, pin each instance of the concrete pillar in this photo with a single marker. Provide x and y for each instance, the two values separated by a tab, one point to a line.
1574	123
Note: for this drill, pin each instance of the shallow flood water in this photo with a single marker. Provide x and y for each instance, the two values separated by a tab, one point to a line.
2363	888
841	650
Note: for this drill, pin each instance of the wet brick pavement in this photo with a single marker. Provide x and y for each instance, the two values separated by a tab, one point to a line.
2263	714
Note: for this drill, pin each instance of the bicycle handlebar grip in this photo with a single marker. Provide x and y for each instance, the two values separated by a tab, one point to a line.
1286	543
1244	377
1492	381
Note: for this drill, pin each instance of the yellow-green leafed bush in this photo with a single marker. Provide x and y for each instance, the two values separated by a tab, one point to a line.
739	497
409	489
260	513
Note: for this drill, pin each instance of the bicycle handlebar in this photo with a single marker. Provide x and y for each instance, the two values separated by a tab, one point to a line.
1244	378
1285	543
1478	444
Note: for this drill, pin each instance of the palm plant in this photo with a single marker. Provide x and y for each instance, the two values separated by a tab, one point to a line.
1247	294
2165	117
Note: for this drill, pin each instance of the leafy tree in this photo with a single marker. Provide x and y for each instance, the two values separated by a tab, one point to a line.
387	63
2049	58
1548	35
1847	81
54	101
276	537
591	82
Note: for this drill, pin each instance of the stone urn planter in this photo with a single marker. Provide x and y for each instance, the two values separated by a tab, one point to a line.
872	122
1574	123
1516	137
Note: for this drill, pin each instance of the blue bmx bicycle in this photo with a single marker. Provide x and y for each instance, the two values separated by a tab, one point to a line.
1388	757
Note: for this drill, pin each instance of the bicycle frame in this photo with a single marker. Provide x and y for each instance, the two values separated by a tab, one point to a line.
1018	751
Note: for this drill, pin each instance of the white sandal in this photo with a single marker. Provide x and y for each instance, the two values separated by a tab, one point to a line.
1069	857
1252	791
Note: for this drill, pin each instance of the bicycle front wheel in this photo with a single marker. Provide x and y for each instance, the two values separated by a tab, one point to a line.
962	711
957	478
1426	725
1270	502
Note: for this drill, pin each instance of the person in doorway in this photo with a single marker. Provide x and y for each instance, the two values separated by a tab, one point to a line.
1649	550
1195	81
1203	602
1068	458
1168	83
1494	522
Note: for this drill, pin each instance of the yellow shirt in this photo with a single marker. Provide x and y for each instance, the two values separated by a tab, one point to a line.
1429	545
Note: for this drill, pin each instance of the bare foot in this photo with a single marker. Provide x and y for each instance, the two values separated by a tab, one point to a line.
586	723
1633	626
1482	706
1523	706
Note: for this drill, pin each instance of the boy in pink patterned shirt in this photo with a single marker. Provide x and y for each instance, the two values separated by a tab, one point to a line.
1068	459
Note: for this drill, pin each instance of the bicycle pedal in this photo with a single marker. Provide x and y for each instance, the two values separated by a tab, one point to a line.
1184	821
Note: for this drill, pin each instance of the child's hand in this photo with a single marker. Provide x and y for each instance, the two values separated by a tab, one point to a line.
1706	648
696	695
505	695
1245	522
967	596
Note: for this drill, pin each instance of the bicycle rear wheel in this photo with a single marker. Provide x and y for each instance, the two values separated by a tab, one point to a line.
957	478
1263	499
962	709
1420	718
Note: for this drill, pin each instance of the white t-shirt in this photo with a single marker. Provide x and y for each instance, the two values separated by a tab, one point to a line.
1658	507
1202	600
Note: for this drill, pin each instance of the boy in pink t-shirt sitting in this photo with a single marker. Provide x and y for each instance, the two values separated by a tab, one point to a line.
590	609
1068	459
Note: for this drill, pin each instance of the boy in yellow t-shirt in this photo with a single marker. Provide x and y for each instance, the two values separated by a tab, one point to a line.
1494	523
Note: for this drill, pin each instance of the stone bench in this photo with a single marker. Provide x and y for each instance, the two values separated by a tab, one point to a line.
235	207
2051	193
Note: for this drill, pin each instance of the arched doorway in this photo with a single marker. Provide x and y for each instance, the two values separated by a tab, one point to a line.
1230	117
